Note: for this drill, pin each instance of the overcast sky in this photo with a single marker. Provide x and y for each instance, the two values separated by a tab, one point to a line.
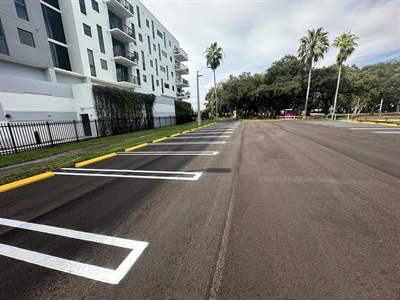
255	33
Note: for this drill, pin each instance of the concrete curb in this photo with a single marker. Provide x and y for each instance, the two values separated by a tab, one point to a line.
93	160
136	147
22	182
159	140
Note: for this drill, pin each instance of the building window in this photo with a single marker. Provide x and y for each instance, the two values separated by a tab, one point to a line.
155	47
143	62
152	29
172	74
157	82
26	37
87	30
173	88
91	62
101	40
162	69
140	37
170	44
95	5
170	58
165	41
147	23
164	54
151	64
152	82
60	56
159	52
156	67
82	6
166	85
138	16
103	64
53	22
21	9
144	78
148	41
159	33
3	42
53	3
167	73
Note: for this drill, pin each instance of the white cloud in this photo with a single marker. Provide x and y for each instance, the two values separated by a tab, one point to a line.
254	33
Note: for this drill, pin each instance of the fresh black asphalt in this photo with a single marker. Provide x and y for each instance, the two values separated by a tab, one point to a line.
286	210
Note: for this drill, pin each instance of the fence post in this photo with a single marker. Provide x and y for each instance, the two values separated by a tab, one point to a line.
12	138
76	132
97	129
51	138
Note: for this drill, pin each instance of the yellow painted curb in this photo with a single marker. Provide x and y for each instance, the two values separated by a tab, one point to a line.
353	121
176	134
93	160
186	131
193	129
159	140
22	182
136	147
372	123
387	124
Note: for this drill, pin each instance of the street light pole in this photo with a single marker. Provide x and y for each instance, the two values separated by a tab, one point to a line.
198	96
198	101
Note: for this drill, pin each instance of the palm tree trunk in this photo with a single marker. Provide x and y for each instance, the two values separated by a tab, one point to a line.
216	97
336	93
308	91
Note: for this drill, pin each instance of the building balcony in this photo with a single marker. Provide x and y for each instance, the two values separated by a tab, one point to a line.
125	57
181	69
121	8
121	32
128	80
183	95
180	55
180	82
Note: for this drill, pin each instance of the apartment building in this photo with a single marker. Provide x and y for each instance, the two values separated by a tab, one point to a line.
53	51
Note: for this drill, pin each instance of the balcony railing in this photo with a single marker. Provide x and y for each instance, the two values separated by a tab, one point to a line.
181	68
126	77
121	7
180	54
183	94
181	81
132	56
117	24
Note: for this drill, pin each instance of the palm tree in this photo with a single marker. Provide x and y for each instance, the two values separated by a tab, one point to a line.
346	44
312	48
214	56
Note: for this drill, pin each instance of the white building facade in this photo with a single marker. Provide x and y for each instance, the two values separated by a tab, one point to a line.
52	52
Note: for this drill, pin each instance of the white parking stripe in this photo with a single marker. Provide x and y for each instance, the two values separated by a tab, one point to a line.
186	143
105	173
395	132
375	128
201	137
173	153
72	267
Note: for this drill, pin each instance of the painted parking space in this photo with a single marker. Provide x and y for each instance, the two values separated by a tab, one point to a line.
143	169
97	273
130	174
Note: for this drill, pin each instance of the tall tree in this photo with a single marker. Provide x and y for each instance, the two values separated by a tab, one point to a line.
312	48
214	56
346	44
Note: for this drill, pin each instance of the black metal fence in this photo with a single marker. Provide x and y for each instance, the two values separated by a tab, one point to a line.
19	137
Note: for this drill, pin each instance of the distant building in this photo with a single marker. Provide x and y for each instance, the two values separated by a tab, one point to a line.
52	52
